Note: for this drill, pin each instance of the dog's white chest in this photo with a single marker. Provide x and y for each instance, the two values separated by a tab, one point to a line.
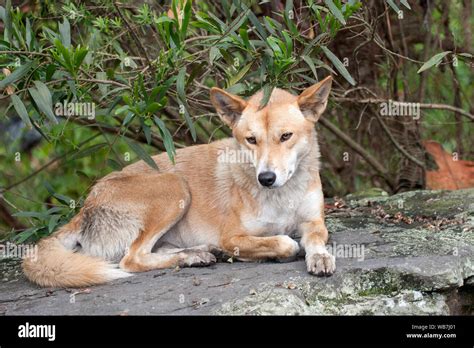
273	218
284	214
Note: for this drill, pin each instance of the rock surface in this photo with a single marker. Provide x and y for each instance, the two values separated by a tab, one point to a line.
412	253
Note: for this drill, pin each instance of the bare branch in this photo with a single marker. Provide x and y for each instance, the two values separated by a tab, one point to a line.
422	105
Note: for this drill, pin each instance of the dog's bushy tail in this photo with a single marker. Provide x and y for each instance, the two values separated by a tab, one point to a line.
53	263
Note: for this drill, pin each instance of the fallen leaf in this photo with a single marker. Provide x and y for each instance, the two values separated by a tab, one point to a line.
452	173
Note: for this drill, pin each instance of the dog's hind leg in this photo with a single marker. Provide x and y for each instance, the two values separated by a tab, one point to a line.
160	216
140	258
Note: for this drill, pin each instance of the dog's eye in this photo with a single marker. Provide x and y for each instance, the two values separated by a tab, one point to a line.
285	136
251	140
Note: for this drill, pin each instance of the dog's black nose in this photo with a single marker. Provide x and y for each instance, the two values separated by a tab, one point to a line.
267	178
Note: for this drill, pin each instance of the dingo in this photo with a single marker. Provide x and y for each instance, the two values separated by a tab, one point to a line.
145	219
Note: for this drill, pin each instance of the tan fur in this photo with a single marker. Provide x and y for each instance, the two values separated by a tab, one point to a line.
145	219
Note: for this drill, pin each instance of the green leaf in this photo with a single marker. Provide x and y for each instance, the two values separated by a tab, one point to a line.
65	57
16	75
50	70
49	188
87	151
148	122
180	87
218	23
190	124
28	34
54	210
65	31
245	38
238	88
114	164
63	199
435	60
236	78
152	108
393	5
268	22
180	84
21	110
289	19
32	214
273	42
260	30
406	4
167	138
310	63
335	11
79	56
24	235
187	16
225	5
338	65
122	108
141	153
163	19
53	222
267	92
288	44
7	31
45	93
237	22
43	102
128	118
147	131
214	54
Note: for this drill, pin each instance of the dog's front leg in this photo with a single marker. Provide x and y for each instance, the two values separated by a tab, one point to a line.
314	237
246	247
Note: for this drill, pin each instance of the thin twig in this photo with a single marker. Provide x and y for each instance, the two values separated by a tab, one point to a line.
396	144
54	160
135	36
105	82
422	105
26	53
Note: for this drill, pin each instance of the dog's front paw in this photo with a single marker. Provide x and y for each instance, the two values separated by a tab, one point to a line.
289	249
321	264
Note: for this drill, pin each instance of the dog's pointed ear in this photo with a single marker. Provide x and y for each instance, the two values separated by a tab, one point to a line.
228	106
313	100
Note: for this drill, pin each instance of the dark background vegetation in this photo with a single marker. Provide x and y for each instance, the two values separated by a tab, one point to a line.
148	67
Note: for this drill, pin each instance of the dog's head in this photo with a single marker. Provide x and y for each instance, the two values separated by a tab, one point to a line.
280	133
